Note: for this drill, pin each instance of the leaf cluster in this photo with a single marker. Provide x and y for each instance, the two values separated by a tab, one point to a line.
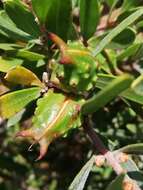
35	38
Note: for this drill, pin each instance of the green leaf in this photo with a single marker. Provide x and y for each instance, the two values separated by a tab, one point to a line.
72	33
130	51
81	178
31	56
124	15
140	25
137	85
127	5
22	17
89	17
59	18
103	80
133	172
122	41
14	102
7	64
19	51
23	76
44	115
9	46
55	114
139	53
56	15
11	30
131	95
15	119
133	149
117	184
41	9
124	24
109	92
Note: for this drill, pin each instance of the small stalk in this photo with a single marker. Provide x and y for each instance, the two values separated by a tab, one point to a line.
98	144
111	159
109	62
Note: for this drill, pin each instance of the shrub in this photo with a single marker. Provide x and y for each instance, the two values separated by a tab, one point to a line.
75	66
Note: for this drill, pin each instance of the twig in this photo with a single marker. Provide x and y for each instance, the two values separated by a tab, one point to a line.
94	137
112	161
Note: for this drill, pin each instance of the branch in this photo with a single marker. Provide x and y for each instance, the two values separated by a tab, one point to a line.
112	160
98	144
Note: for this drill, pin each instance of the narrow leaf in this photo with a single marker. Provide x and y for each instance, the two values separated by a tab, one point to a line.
41	9
59	18
55	15
103	80
14	102
133	149
131	95
117	183
8	46
31	56
89	17
11	30
15	119
130	51
23	76
133	172
112	90
124	24
127	5
137	85
81	178
22	17
7	64
21	52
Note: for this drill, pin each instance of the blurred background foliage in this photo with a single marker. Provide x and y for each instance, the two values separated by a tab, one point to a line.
120	122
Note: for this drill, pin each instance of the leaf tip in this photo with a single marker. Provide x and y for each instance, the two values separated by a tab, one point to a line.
43	148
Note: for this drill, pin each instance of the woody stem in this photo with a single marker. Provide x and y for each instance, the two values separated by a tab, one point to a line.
98	144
